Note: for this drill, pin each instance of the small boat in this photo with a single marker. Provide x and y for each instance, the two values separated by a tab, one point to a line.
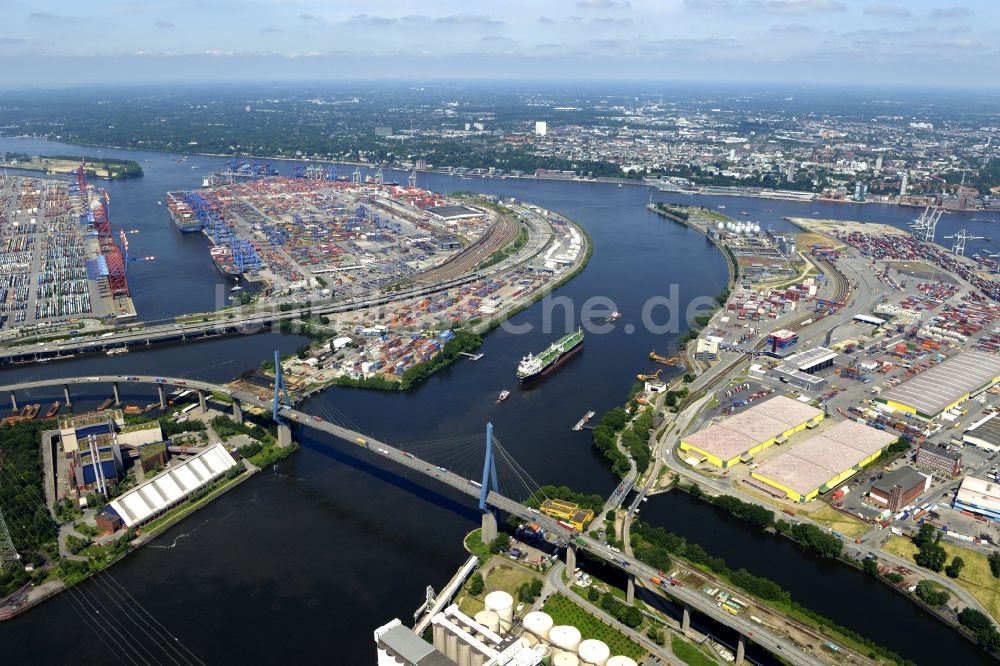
53	409
743	212
619	185
237	288
721	206
614	316
159	203
504	394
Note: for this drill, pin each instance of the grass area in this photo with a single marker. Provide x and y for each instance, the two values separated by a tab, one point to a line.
474	544
844	523
507	577
470	605
975	576
564	611
689	653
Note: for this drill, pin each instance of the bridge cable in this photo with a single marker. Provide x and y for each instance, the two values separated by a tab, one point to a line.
130	606
522	474
126	593
122	622
109	626
100	630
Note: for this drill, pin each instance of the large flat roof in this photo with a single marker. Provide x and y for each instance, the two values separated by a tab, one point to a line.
173	485
931	391
765	420
804	360
979	493
819	459
453	212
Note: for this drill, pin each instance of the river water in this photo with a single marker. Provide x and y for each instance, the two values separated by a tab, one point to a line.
303	561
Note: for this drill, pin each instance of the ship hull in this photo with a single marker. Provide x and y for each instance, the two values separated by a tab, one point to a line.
553	366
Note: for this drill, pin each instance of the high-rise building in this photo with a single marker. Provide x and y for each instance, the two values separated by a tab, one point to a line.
790	173
878	164
904	181
940	459
541	128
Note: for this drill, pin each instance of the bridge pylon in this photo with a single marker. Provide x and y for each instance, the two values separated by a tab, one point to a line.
279	389
489	524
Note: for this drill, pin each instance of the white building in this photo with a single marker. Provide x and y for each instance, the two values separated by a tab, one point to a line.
541	128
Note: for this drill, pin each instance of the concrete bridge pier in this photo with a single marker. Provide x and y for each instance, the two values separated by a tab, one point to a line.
571	559
201	402
284	435
630	590
686	620
489	525
741	647
13	401
163	398
237	411
114	392
69	403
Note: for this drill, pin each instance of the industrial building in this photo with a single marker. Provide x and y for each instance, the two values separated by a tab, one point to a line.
821	462
898	488
751	431
811	361
939	459
792	375
453	213
949	383
782	343
95	423
567	511
97	463
984	433
492	638
173	486
980	497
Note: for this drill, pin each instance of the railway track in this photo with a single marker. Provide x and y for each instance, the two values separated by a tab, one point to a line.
500	233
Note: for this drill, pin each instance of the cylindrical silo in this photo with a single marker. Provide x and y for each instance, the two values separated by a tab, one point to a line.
502	604
593	652
439	643
621	660
489	619
451	646
564	638
538	623
464	654
565	659
478	658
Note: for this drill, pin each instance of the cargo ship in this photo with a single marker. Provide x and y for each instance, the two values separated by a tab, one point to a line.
222	255
532	367
181	213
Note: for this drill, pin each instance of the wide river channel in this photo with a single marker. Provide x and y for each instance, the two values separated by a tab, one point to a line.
303	561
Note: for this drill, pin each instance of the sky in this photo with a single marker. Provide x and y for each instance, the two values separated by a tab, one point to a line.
882	42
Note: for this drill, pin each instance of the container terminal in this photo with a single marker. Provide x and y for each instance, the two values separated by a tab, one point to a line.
60	259
300	233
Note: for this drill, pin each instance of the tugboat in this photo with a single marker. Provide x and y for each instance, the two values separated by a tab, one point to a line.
504	394
532	367
614	316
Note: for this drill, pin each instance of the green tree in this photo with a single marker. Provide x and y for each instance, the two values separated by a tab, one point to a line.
930	594
476	584
499	544
633	618
955	568
870	565
592	594
995	563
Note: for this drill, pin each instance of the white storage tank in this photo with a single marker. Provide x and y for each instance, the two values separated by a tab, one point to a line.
488	619
565	659
564	638
538	623
502	604
594	652
621	660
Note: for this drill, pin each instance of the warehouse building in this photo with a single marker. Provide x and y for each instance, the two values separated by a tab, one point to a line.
980	497
453	213
750	431
173	486
567	511
949	383
812	361
939	459
984	433
898	488
76	428
792	375
820	463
